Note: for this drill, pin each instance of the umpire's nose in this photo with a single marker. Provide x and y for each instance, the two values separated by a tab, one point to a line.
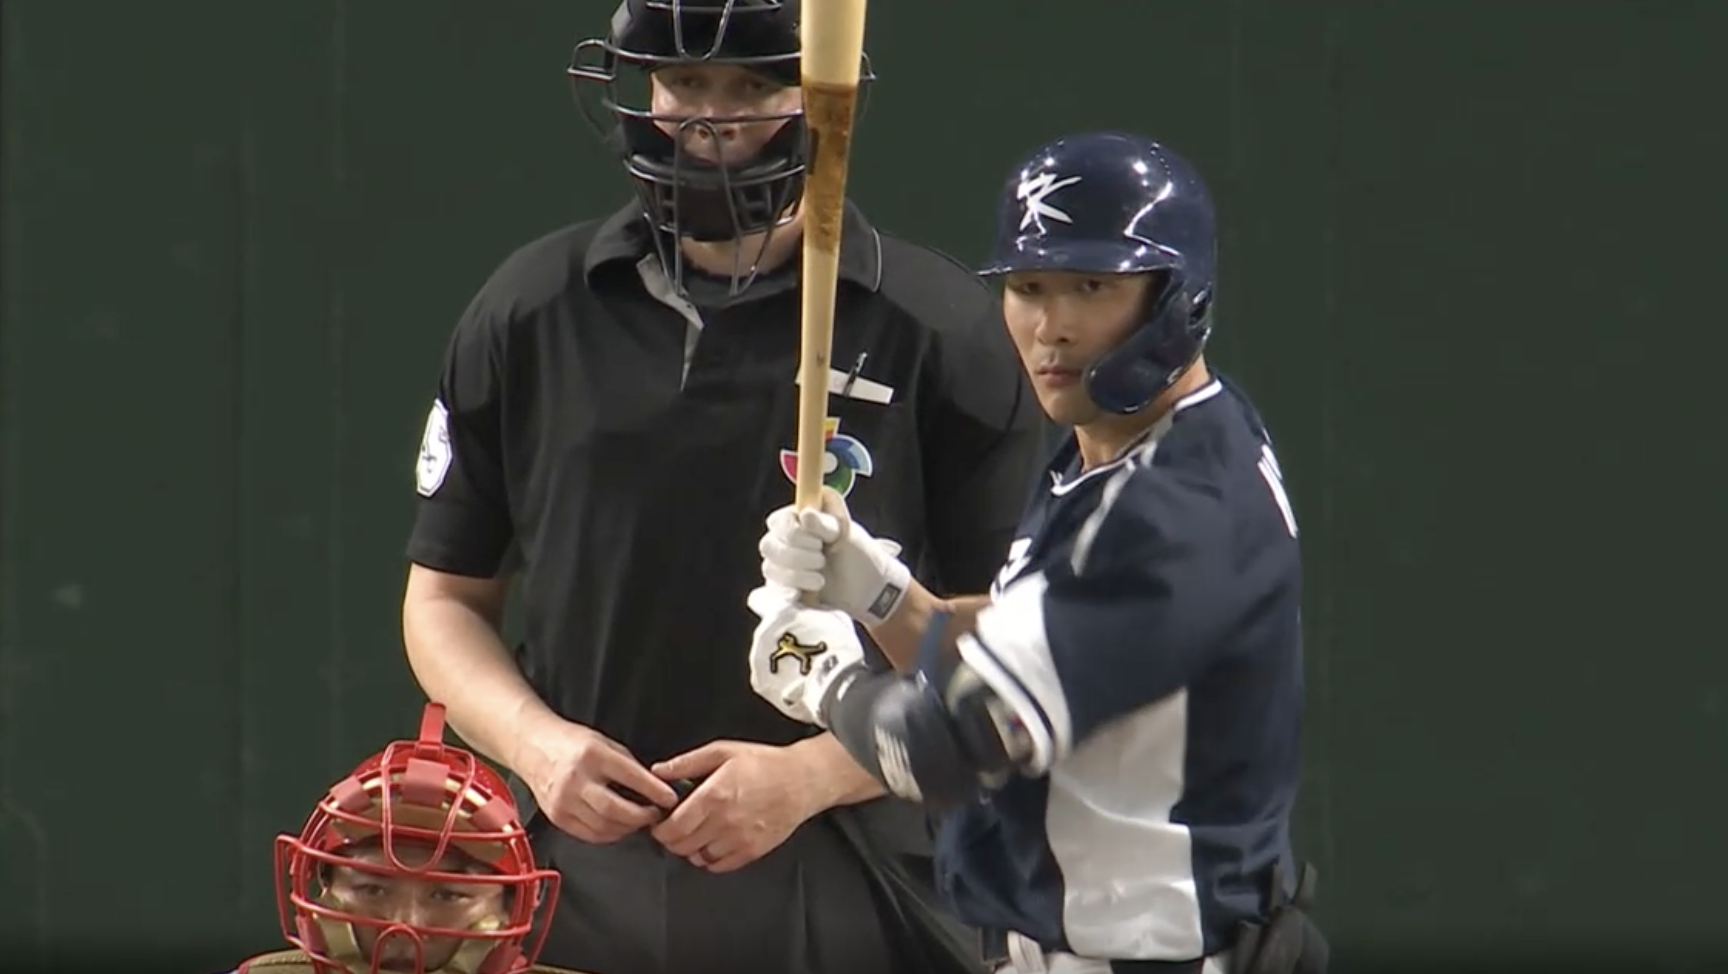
711	140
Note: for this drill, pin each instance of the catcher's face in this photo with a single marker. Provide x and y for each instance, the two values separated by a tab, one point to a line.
722	94
415	902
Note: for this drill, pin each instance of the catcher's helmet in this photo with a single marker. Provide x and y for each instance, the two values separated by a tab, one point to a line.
682	195
1111	203
438	798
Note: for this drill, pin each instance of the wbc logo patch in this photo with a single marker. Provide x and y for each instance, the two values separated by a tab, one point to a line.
843	462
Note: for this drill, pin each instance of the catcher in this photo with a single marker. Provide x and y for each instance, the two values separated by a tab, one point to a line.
415	863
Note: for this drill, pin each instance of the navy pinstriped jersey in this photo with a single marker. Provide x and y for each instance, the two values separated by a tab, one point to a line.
1149	616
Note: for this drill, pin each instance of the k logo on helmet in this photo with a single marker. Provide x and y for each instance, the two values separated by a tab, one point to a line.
1035	193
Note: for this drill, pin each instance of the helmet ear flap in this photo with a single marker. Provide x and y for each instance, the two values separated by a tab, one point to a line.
1200	309
1156	353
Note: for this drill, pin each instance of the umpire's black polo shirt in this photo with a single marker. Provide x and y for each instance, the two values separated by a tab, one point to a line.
623	447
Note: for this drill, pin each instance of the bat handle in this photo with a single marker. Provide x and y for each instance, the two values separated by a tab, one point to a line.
829	501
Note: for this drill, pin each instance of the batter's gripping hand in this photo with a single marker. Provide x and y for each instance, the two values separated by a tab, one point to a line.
826	553
799	652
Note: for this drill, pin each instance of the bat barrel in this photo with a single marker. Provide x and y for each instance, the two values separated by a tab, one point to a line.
831	41
831	38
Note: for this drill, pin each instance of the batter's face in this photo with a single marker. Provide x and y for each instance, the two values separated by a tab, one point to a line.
721	93
414	902
1062	322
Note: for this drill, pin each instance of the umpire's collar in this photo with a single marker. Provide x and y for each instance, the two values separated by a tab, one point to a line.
625	236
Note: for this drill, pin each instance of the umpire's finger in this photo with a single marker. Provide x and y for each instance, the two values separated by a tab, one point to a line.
579	821
617	812
619	767
687	838
720	857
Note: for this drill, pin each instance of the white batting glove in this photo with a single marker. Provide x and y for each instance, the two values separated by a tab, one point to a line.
798	652
826	553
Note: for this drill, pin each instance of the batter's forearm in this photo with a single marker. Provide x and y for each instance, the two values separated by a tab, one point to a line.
460	661
900	635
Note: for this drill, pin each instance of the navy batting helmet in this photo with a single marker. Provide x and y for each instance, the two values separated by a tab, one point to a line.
1112	203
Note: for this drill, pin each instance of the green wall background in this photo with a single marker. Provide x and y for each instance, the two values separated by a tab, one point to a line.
1470	257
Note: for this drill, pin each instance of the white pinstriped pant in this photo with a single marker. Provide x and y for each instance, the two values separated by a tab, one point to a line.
1026	957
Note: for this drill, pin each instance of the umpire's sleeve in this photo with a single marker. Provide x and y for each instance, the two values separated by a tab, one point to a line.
463	524
981	451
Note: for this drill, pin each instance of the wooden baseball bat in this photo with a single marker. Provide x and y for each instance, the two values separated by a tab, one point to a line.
831	40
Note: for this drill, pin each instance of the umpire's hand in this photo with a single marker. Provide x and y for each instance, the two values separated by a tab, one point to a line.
752	797
576	776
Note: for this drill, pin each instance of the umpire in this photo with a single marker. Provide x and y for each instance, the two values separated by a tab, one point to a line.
628	382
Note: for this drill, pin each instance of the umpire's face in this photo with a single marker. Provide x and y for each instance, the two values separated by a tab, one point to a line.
1062	322
419	902
720	113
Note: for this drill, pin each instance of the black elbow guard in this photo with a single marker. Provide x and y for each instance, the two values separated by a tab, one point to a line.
939	747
